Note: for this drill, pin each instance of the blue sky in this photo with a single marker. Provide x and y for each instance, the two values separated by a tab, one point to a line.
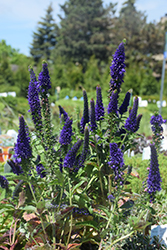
19	18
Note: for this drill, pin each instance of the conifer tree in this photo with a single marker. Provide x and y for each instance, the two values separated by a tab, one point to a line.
85	30
44	39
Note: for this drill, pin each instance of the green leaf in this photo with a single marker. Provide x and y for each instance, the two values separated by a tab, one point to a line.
30	208
89	224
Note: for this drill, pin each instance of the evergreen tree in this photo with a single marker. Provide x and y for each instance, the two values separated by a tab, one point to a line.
44	39
85	30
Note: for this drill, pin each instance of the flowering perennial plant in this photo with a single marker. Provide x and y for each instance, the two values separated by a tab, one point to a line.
74	182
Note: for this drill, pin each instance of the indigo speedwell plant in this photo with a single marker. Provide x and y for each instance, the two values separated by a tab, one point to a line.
70	189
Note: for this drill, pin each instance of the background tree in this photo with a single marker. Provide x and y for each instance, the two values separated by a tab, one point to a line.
44	39
84	31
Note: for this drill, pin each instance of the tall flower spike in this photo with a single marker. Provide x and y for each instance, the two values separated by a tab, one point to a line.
154	178
66	133
44	83
124	107
3	182
131	122
34	101
116	162
16	169
22	149
113	104
93	125
99	109
117	68
138	119
71	155
156	122
63	112
85	149
85	117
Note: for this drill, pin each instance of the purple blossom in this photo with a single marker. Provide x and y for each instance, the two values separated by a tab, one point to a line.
116	161
44	83
117	68
154	178
63	112
138	119
113	104
16	168
111	197
71	155
85	149
124	107
3	182
34	101
99	109
93	125
66	133
85	117
22	149
156	122
131	122
41	170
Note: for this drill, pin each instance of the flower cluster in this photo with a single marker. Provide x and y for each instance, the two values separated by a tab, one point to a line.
156	122
116	161
34	101
63	112
117	68
71	155
3	182
113	104
124	107
41	170
16	168
85	149
22	149
93	125
99	109
66	133
44	83
131	122
85	117
154	178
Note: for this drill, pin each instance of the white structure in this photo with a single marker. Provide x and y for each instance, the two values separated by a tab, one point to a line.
12	133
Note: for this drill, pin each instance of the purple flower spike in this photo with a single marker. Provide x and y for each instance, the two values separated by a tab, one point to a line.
85	117
124	107
34	101
44	83
113	104
71	155
66	133
117	68
3	182
93	125
154	178
156	122
85	149
131	122
138	119
22	149
99	109
41	170
116	161
16	169
63	112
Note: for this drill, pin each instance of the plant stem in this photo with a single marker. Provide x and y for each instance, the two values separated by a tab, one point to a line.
70	199
42	223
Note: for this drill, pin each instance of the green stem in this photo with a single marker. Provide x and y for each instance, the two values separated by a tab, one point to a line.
71	221
122	238
42	223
